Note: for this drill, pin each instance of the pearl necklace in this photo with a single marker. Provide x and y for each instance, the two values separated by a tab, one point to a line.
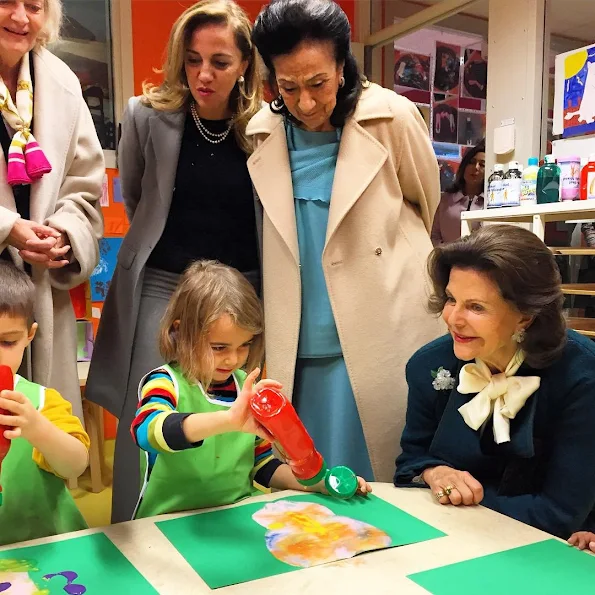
212	137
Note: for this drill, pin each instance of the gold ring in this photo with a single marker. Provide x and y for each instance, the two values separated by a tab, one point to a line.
439	495
448	489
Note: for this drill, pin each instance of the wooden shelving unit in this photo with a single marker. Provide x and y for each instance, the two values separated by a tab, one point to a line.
537	216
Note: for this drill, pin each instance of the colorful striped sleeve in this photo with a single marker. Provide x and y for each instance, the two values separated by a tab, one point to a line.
157	426
265	464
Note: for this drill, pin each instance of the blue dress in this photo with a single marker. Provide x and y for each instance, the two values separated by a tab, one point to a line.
322	393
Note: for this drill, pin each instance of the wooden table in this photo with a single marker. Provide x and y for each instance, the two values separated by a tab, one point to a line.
471	532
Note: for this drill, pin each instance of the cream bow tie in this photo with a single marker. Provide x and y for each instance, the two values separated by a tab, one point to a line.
502	395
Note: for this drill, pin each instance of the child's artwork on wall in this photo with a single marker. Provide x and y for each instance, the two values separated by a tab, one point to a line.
475	75
448	172
209	540
104	271
448	68
574	107
446	121
412	70
89	565
472	126
305	534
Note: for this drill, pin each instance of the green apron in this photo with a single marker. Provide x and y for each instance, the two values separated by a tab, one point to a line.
35	503
216	473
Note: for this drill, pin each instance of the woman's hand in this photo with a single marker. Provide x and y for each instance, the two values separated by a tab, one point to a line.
39	244
451	486
583	540
240	414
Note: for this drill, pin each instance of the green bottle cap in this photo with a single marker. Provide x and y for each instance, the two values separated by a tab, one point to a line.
341	482
317	478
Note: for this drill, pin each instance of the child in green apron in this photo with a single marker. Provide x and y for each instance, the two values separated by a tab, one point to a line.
47	443
201	446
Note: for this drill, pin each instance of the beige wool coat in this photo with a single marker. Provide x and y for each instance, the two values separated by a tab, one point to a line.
385	192
67	199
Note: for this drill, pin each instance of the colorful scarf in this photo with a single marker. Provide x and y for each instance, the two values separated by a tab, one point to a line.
26	161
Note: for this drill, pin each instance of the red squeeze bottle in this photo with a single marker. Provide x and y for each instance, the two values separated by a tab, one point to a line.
275	413
6	383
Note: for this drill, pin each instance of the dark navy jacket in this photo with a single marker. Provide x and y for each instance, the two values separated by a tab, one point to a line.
545	475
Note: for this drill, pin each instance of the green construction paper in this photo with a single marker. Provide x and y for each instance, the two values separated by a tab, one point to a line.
99	565
226	547
549	567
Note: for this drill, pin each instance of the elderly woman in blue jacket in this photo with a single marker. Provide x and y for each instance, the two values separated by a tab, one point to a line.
501	411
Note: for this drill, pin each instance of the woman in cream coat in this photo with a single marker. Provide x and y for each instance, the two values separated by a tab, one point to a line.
374	244
51	225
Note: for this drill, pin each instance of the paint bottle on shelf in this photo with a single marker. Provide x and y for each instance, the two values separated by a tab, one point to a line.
529	183
496	186
588	179
274	412
548	181
512	185
570	177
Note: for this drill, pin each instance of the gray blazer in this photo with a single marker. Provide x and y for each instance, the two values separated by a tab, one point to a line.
148	155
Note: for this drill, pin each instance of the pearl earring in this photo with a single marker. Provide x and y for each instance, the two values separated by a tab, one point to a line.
519	336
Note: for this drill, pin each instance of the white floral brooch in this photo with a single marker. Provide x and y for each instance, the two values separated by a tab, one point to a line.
442	379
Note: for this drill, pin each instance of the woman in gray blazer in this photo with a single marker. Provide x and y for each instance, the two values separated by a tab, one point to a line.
188	195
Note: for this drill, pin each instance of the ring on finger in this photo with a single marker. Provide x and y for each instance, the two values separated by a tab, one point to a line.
448	489
439	495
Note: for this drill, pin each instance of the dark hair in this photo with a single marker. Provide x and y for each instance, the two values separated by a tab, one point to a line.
526	273
17	292
283	24
459	183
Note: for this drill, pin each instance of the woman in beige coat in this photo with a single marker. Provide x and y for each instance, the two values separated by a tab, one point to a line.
348	185
50	221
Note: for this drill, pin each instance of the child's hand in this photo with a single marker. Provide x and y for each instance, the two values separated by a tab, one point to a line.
363	487
24	420
240	413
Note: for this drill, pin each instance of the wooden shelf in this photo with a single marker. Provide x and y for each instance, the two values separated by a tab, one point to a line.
555	211
585	326
578	288
578	251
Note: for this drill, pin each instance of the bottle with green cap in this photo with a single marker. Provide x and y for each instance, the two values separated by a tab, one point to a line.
275	413
548	181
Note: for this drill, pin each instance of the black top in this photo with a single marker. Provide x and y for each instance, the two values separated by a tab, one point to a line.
212	210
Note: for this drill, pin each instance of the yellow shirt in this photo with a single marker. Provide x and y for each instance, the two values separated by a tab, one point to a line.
58	411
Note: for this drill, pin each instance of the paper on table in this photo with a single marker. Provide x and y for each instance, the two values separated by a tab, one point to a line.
90	565
549	567
227	546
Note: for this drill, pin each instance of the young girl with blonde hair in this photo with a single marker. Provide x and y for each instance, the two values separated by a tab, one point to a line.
202	447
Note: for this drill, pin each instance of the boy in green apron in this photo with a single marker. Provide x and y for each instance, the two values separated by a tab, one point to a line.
201	446
47	443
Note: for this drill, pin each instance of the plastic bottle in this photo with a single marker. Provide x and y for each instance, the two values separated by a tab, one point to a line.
548	181
512	185
588	179
570	177
6	383
496	186
275	413
529	183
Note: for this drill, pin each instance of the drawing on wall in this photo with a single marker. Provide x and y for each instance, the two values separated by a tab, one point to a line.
445	121
104	271
448	171
472	127
448	68
412	70
579	92
304	534
475	75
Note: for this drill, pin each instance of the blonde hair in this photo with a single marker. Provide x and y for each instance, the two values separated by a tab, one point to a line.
173	93
208	290
50	31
